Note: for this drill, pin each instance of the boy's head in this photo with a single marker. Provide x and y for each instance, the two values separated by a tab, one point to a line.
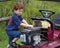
18	8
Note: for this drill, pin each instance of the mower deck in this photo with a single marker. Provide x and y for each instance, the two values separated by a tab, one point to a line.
54	44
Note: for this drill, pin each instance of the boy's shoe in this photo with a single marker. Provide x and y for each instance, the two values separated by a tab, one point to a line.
12	45
9	46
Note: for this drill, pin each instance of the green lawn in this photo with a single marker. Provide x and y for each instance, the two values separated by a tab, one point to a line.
3	43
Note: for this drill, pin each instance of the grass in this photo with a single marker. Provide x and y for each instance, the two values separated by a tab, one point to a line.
3	36
31	9
3	44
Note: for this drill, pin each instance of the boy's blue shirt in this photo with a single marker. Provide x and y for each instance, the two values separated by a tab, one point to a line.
15	22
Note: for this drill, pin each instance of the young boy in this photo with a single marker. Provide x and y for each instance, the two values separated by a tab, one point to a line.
16	21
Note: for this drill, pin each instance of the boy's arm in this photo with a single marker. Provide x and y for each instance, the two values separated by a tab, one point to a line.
24	21
26	25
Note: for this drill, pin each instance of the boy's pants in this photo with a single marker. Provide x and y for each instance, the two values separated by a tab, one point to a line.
13	34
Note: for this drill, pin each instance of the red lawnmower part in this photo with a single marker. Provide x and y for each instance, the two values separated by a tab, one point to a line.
25	46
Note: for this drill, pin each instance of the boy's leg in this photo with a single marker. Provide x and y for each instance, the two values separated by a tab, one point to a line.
13	36
16	35
15	39
10	39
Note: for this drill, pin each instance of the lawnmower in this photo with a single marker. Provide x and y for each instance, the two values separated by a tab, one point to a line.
52	30
44	34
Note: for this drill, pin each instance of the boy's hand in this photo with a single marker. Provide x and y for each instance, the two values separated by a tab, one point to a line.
31	26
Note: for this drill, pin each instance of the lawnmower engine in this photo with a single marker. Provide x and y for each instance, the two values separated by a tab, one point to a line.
30	36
